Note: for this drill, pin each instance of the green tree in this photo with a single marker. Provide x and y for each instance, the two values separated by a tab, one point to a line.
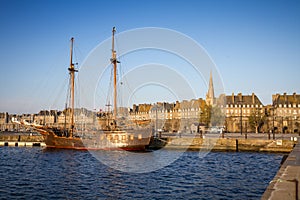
212	116
205	115
256	120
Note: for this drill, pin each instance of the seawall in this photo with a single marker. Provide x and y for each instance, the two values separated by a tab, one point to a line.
285	184
21	140
231	144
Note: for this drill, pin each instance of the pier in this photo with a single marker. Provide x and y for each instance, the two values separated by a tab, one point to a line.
285	184
282	143
21	139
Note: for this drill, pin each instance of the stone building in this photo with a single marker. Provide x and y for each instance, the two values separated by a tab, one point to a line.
4	120
140	112
46	117
170	117
284	113
188	112
238	109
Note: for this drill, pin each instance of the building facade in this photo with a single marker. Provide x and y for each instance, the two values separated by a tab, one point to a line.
242	112
284	113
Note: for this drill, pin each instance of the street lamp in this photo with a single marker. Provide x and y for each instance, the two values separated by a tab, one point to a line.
241	115
273	131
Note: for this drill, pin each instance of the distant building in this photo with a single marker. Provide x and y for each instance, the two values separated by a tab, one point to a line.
285	113
238	109
140	112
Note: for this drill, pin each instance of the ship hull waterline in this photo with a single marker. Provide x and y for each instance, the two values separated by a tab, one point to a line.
111	141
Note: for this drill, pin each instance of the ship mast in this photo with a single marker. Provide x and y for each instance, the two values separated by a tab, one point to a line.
72	71
114	62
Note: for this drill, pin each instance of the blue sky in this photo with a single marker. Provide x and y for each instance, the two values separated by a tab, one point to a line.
254	44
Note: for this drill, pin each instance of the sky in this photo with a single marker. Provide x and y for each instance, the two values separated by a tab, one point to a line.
255	44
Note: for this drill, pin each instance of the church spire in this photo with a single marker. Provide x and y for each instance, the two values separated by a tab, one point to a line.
210	96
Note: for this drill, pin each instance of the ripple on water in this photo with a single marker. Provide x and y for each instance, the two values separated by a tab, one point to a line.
36	173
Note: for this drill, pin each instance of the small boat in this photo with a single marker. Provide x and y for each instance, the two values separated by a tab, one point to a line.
111	137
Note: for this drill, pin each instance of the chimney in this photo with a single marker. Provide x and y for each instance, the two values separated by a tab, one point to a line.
240	96
285	97
232	98
253	98
277	98
6	118
274	99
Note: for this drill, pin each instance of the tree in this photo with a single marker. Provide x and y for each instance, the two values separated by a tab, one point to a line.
212	116
256	120
205	114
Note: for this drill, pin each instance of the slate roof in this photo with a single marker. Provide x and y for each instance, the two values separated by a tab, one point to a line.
286	99
243	99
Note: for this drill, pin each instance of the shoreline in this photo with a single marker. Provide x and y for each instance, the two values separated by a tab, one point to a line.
208	142
285	184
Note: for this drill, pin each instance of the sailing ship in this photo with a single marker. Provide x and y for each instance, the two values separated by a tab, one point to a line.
110	137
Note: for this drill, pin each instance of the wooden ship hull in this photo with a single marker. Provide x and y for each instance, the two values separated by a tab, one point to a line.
129	140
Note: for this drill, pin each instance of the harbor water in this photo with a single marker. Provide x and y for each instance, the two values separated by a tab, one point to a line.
39	173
